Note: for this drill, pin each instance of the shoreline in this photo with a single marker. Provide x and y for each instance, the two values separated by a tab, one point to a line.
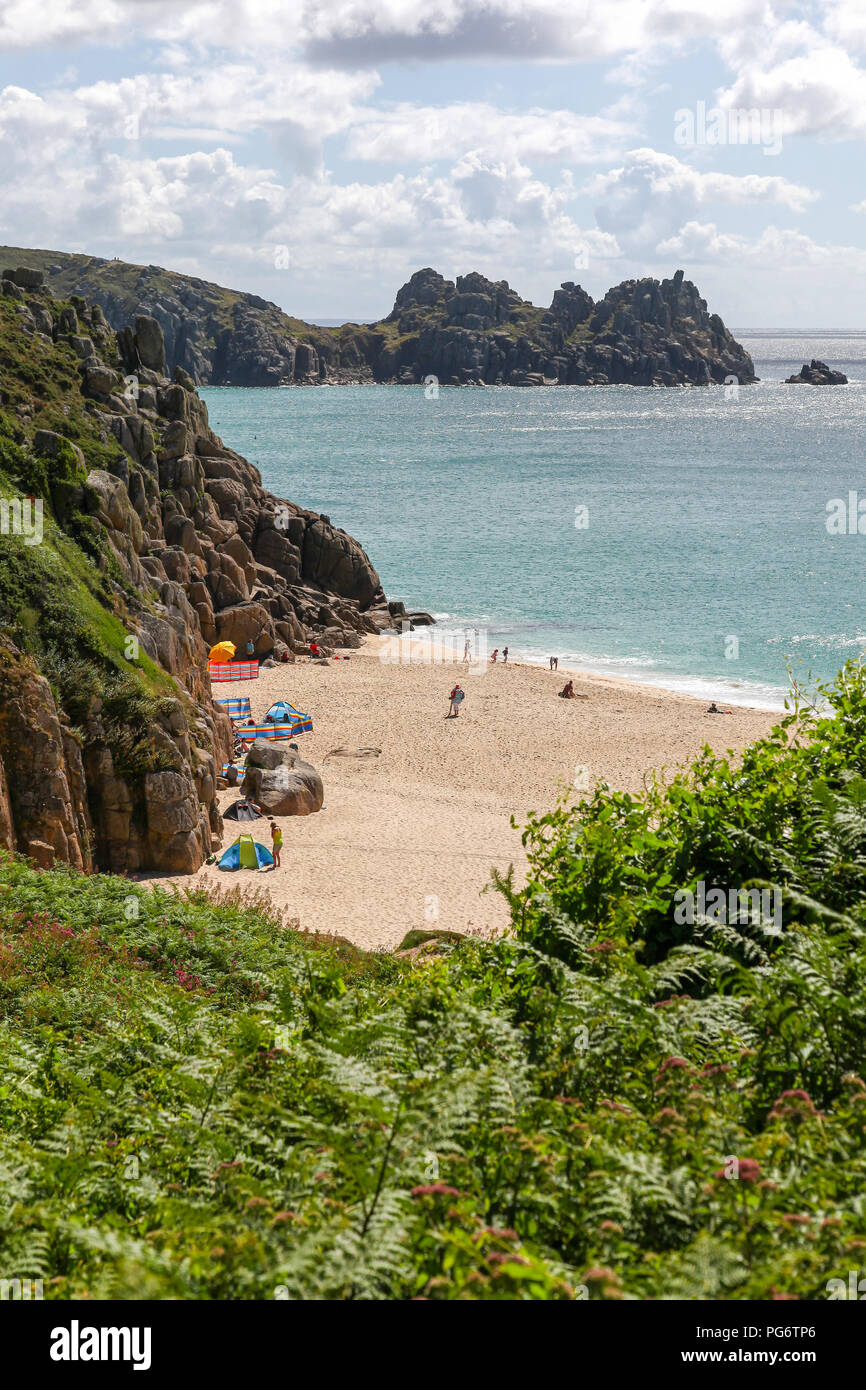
418	807
716	689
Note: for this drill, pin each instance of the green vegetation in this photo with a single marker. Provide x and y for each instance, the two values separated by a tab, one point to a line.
200	1102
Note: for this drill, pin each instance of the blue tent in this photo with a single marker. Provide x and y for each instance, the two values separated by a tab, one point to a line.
282	712
246	853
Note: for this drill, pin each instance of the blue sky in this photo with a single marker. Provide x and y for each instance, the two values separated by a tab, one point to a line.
317	154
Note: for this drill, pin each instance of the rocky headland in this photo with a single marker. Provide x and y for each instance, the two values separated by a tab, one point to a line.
472	331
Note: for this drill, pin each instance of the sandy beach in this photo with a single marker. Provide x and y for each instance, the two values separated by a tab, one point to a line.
410	828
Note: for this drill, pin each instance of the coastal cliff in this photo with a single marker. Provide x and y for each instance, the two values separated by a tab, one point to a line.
472	331
131	540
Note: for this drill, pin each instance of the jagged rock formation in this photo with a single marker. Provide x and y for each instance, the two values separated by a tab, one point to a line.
158	541
817	374
475	331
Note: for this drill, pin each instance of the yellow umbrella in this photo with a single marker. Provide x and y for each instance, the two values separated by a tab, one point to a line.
223	651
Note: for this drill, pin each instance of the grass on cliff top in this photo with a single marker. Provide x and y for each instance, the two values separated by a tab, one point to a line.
199	1102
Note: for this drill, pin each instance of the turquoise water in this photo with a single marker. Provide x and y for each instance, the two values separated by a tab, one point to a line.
706	565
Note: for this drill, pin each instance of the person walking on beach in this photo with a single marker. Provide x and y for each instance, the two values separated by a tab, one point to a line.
467	647
276	842
494	654
554	663
456	697
504	656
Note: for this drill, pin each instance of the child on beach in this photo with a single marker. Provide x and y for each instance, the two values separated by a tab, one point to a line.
276	842
456	697
494	654
504	656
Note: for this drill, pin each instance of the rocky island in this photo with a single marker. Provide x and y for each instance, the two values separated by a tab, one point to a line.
817	373
472	331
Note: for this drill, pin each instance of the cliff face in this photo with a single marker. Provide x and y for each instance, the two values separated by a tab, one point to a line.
131	539
472	331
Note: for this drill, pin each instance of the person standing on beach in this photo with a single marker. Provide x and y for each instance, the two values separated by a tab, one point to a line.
456	697
467	647
494	654
504	656
276	842
554	663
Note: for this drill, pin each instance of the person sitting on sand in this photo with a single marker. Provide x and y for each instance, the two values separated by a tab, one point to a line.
457	696
276	842
714	709
315	649
567	691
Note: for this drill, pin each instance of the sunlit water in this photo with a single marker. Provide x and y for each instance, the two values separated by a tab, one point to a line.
706	565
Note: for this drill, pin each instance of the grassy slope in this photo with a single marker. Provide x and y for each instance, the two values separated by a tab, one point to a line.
200	1102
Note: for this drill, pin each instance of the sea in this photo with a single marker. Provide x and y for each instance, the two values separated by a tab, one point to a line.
686	538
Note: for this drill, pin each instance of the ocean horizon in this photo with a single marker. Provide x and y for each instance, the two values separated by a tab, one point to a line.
672	536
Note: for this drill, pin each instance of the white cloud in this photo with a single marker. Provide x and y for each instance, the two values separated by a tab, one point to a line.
814	83
359	33
702	243
663	176
652	193
427	133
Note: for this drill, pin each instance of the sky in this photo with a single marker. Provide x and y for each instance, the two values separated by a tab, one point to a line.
318	153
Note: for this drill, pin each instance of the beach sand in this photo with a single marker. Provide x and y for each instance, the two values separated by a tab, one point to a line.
406	839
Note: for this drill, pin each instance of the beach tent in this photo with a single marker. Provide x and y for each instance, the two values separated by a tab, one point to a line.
236	709
241	810
282	712
223	651
246	853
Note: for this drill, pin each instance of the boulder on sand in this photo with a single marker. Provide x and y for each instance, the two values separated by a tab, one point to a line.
278	780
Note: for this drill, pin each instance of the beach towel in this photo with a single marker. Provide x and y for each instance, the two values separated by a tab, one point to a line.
237	709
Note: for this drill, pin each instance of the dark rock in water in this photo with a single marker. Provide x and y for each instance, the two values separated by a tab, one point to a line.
817	374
